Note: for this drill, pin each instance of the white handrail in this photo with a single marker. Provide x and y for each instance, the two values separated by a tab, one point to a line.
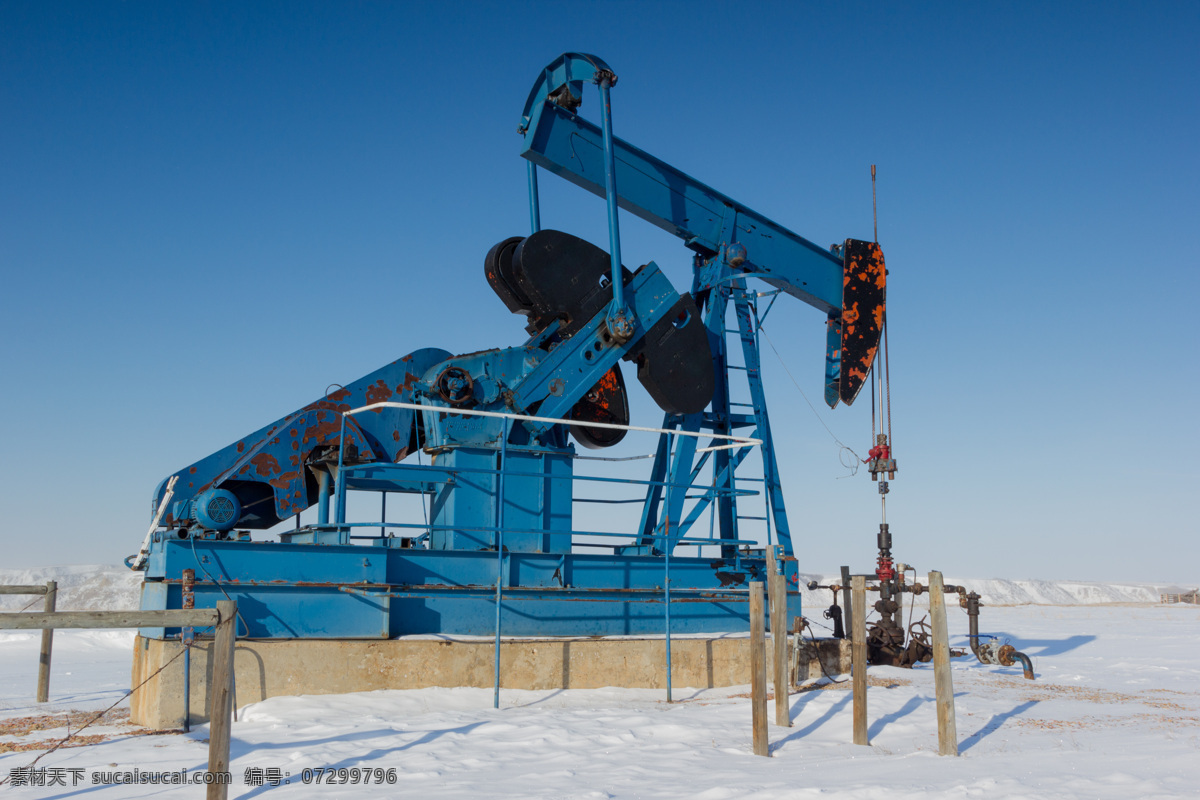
736	441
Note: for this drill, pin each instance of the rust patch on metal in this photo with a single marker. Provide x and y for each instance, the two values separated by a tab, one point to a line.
284	480
265	464
325	404
379	392
241	447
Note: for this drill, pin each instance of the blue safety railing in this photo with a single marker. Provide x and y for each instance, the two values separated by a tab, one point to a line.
425	485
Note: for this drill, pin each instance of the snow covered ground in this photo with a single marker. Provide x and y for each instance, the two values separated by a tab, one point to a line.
1114	713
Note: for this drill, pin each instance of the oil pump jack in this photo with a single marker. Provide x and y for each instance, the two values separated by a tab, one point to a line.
491	432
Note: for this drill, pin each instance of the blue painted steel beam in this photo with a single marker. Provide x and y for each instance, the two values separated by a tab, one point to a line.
748	334
573	148
350	591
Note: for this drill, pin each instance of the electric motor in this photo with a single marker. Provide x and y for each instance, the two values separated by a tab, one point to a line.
216	509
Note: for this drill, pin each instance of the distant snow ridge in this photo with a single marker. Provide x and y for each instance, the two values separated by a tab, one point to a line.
81	587
1059	593
1002	592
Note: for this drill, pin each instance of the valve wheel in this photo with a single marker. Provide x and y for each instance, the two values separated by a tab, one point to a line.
455	386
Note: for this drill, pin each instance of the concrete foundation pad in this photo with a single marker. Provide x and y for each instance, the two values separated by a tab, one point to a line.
333	666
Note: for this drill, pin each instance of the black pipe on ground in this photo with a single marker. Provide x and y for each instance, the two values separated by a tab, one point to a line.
1004	656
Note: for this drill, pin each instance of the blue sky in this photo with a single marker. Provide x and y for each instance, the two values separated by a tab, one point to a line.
210	212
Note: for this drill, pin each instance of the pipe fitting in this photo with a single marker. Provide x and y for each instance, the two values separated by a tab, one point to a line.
1009	654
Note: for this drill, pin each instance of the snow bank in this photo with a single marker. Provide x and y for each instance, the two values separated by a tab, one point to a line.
1002	592
81	587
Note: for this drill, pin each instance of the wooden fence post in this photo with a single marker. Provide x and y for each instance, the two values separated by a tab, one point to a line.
222	700
43	686
858	655
779	639
758	670
942	681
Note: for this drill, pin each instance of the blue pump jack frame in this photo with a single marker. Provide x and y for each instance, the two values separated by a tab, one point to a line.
331	580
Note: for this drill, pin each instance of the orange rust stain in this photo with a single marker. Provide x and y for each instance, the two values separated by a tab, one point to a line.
284	481
266	464
192	471
343	407
879	317
379	392
241	446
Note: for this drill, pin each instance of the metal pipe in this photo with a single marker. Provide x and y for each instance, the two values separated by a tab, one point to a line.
610	188
535	214
846	589
322	497
499	557
186	637
341	480
667	580
1004	656
1026	664
187	687
973	624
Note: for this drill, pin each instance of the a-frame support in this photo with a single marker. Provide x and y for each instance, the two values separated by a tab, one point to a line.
683	467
